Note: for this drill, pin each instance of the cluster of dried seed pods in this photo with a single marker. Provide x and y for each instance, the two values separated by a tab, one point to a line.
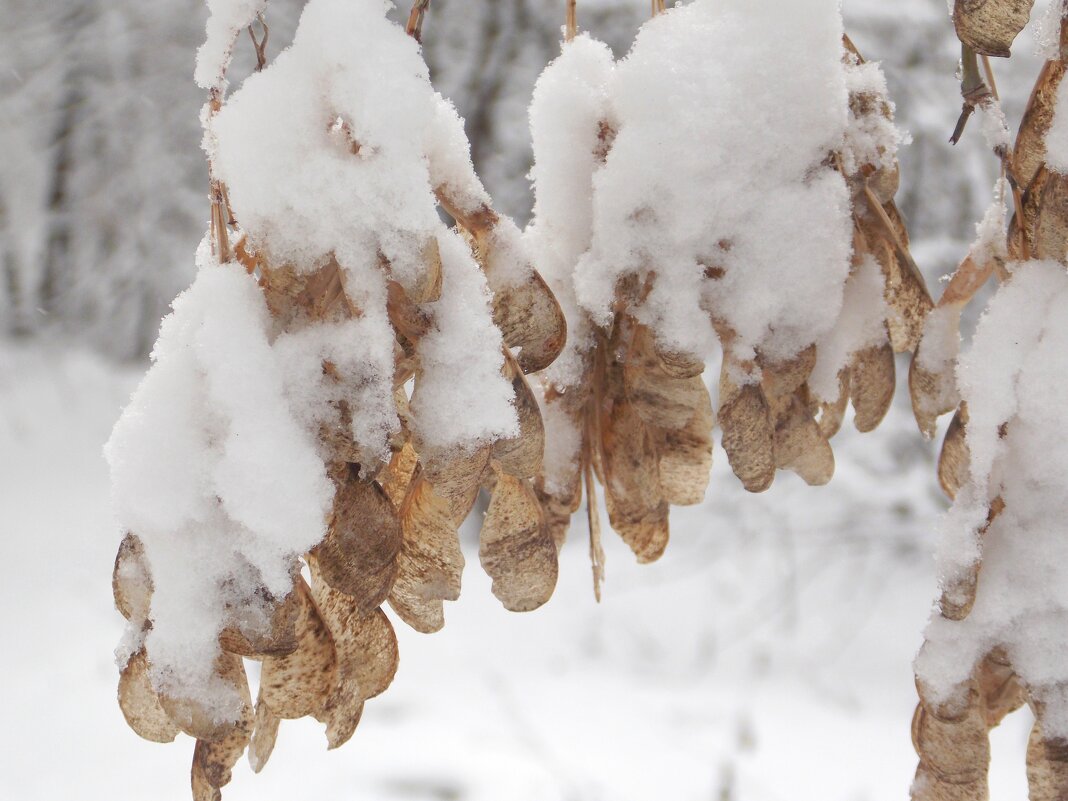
950	732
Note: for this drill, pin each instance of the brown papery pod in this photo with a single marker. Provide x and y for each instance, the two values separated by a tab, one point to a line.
1029	153
516	548
954	458
871	385
131	583
636	506
748	434
359	554
201	721
990	27
299	684
279	637
1047	766
521	455
264	736
213	760
366	650
1049	239
140	704
686	455
430	563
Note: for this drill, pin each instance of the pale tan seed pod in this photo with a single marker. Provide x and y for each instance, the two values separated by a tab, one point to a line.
871	385
1049	237
1047	766
359	554
799	446
1029	153
516	548
140	704
131	582
954	458
430	563
279	637
298	684
214	760
264	735
686	455
832	414
748	435
198	719
990	27
521	455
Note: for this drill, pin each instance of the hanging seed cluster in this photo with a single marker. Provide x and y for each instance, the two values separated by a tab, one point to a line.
989	650
391	535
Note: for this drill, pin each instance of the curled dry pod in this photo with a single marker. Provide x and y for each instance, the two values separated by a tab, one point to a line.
686	455
140	704
358	556
799	446
953	460
298	684
661	399
214	760
366	649
279	637
430	563
131	582
521	455
990	27
871	385
631	476
1030	150
201	721
748	435
954	754
264	735
999	687
531	321
832	414
405	315
515	546
1047	766
456	476
905	291
398	474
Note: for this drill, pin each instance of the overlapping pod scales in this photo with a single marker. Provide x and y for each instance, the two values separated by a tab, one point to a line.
140	704
630	471
748	434
515	547
358	556
366	650
430	563
990	27
298	684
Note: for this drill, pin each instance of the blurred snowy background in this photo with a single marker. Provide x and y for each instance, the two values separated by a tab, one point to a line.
766	656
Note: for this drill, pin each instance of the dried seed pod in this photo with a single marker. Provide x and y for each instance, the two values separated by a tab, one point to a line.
131	583
1049	238
430	562
198	719
1047	767
521	455
990	27
1029	153
660	398
279	637
359	553
871	385
214	760
832	414
954	753
686	455
516	549
531	321
748	435
456	477
264	735
299	684
630	464
140	704
953	460
799	446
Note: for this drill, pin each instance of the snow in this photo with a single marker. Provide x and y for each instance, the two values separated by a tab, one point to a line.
213	472
718	167
767	650
870	138
226	21
1007	379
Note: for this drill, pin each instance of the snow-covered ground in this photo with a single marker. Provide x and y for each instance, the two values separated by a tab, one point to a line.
767	656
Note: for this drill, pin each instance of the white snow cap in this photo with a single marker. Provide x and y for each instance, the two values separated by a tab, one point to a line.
1013	374
335	151
226	20
211	468
717	180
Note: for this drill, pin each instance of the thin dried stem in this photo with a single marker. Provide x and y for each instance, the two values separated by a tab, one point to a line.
572	22
972	89
415	19
260	45
658	7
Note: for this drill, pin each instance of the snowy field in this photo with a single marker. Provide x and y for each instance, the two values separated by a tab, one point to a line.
767	655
